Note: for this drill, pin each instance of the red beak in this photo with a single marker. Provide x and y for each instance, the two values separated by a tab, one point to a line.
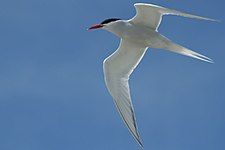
97	26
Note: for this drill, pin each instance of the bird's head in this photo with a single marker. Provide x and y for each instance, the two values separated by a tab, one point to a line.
104	24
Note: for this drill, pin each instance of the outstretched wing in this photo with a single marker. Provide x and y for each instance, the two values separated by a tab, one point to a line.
117	69
151	15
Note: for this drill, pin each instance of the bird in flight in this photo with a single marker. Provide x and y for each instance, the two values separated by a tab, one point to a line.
137	35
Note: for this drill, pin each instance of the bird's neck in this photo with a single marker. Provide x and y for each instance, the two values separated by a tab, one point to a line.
118	27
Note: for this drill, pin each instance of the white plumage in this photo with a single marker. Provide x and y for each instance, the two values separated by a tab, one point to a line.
137	34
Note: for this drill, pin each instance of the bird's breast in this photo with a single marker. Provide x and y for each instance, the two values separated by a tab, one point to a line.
138	34
143	35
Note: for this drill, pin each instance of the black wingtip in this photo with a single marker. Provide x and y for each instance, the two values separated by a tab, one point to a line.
141	144
139	141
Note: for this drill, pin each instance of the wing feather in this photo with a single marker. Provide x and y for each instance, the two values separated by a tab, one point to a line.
117	69
150	15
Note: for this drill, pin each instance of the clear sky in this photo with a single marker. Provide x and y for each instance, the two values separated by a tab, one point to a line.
52	92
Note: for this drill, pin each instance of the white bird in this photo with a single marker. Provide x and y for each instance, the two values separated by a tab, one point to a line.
137	35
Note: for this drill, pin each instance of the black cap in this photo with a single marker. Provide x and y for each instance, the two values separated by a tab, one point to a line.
109	20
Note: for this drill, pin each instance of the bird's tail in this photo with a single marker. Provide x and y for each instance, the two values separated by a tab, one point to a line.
173	47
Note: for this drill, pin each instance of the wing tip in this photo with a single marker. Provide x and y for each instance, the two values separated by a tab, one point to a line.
134	133
140	143
137	138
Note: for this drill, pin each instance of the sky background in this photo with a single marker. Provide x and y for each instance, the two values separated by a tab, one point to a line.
52	92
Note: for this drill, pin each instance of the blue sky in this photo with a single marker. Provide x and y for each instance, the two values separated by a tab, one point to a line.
52	92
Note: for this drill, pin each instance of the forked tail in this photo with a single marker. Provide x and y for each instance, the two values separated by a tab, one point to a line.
184	51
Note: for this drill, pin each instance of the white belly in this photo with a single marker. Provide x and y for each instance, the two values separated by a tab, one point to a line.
143	35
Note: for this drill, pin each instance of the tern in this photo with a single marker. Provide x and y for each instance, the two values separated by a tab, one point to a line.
137	35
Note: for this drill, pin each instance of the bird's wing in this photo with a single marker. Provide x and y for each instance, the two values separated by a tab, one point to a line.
150	15
117	69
